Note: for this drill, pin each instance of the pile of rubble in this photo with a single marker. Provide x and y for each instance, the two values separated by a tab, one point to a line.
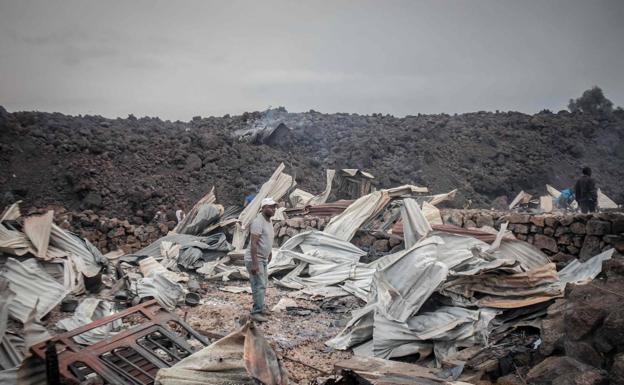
459	304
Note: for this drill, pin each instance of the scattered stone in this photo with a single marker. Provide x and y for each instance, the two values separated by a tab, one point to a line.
617	369
193	162
296	222
518	218
561	230
500	203
519	229
596	227
395	241
572	250
583	352
381	245
553	328
591	247
565	239
562	258
456	219
580	321
291	232
510	379
613	327
551	221
578	228
586	377
92	200
543	242
485	220
470	224
553	367
538	220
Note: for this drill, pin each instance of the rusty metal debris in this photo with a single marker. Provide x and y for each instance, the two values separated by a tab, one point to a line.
157	339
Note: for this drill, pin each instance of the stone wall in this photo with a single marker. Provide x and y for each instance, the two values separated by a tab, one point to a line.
109	234
563	236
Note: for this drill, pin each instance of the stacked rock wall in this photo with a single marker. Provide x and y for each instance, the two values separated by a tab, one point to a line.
561	235
109	234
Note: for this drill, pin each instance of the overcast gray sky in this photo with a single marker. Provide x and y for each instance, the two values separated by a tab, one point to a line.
178	59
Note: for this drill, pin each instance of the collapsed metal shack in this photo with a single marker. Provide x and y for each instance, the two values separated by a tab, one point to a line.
351	183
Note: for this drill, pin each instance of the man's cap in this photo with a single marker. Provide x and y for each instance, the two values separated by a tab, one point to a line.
268	202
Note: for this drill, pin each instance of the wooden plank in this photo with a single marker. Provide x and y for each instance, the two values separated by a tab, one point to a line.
377	368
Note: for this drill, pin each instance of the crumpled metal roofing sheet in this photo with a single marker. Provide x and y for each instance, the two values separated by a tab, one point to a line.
31	284
416	225
89	310
14	242
37	229
11	213
68	243
345	225
275	188
237	358
160	287
583	272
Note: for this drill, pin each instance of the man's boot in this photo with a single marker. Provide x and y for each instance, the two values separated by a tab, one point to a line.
258	317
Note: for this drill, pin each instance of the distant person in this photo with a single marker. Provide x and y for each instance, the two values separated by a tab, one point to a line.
586	192
258	255
250	197
565	199
180	214
161	215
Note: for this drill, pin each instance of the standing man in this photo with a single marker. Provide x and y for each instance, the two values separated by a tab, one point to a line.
258	255
586	192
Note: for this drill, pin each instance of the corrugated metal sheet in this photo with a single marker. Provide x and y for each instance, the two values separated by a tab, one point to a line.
275	188
160	287
582	272
529	256
68	243
416	225
37	229
31	284
11	213
89	310
345	225
397	229
14	242
604	202
237	358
